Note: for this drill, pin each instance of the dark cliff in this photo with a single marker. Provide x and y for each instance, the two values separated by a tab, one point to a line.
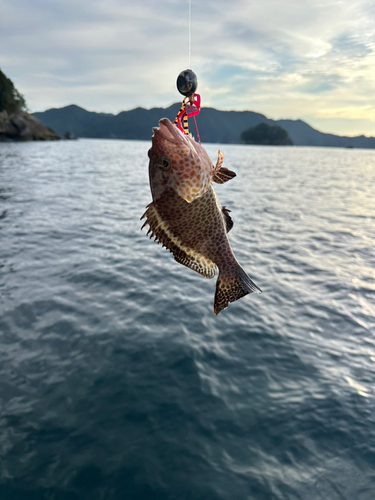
15	123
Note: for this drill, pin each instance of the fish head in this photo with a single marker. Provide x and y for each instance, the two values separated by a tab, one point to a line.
177	162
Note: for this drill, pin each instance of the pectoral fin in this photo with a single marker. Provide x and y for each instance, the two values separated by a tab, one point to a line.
220	173
227	219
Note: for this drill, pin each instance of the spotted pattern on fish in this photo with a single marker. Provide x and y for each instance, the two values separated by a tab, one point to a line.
196	234
190	175
160	230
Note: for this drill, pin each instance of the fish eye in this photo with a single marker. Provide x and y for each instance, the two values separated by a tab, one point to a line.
164	164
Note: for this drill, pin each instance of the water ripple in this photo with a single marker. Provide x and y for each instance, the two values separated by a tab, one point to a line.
117	379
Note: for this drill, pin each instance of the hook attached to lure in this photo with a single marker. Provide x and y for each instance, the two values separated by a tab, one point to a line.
187	83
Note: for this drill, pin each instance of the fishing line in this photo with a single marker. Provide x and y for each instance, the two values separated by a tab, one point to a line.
187	85
189	66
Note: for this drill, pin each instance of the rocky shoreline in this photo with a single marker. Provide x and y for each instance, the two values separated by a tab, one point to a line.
22	126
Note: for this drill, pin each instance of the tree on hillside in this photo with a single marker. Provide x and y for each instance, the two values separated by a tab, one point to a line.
264	134
10	99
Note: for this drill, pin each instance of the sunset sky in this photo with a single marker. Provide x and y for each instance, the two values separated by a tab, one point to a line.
313	60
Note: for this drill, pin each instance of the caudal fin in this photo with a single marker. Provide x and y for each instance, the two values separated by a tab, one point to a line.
230	288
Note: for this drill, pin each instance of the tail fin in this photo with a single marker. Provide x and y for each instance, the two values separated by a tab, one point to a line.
230	288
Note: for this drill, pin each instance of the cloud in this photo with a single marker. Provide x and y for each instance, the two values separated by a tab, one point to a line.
308	59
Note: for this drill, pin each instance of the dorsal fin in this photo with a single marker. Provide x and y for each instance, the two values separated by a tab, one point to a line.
220	173
227	218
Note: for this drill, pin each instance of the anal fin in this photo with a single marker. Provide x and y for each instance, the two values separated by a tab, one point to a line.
161	231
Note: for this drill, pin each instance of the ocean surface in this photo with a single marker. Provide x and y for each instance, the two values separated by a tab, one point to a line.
117	382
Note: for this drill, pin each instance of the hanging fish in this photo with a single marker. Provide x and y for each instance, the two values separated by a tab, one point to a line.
185	215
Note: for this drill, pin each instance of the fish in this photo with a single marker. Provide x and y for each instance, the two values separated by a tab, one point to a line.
185	214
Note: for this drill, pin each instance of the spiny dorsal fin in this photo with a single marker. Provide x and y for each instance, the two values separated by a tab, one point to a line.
220	173
220	159
161	231
227	218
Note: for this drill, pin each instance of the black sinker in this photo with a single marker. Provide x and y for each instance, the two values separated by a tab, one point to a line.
187	82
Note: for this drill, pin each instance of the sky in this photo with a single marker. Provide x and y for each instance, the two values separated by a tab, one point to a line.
313	60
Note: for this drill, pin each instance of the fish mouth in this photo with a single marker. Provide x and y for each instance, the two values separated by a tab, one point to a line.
170	133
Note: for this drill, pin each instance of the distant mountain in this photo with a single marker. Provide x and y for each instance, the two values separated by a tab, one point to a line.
214	126
303	135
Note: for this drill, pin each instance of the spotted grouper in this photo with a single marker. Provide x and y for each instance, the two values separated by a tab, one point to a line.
185	215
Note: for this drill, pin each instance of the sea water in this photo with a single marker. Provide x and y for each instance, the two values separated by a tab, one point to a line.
117	382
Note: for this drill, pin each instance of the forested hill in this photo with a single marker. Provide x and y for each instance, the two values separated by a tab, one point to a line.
15	123
214	126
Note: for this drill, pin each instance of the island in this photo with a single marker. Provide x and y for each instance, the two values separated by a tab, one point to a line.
266	135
